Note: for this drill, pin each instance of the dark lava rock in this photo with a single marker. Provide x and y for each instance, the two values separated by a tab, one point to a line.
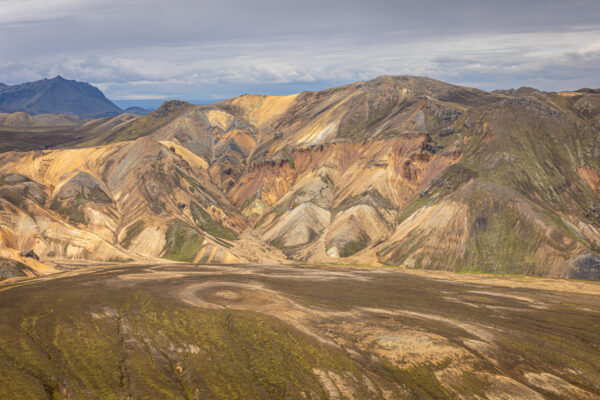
594	211
12	269
480	224
446	132
587	267
533	104
31	254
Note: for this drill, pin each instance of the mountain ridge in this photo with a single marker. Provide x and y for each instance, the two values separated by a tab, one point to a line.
402	170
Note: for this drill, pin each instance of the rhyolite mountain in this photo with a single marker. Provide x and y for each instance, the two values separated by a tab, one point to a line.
399	170
56	96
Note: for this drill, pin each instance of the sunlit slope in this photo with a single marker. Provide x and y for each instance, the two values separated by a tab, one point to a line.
115	202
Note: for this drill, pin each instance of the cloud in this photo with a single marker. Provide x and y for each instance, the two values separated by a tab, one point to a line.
202	49
29	11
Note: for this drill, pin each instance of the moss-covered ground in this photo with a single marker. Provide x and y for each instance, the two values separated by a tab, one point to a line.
168	332
183	242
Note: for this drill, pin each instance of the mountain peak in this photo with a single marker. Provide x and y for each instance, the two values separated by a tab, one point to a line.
170	106
57	96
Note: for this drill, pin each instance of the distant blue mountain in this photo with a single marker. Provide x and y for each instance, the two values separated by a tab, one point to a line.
153	104
56	96
137	110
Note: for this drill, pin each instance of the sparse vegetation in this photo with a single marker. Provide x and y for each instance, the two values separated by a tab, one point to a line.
183	242
137	345
348	248
93	336
413	206
70	209
505	245
371	197
132	232
248	201
209	225
278	209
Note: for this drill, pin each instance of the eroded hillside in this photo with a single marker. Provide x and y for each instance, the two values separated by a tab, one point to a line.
399	170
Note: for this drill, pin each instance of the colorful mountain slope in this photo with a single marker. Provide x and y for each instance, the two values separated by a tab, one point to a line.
398	170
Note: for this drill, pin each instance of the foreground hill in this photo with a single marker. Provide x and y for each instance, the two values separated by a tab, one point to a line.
56	96
399	170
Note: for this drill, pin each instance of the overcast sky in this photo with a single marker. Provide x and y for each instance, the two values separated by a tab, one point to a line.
196	49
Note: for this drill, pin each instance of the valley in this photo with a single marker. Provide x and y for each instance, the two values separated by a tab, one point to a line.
305	331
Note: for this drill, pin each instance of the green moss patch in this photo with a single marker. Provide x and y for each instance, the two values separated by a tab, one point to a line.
413	206
351	247
138	346
70	209
183	242
502	241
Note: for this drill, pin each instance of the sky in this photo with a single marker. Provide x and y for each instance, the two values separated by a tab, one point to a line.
197	49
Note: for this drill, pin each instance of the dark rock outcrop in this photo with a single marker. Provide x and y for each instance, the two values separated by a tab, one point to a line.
13	269
587	267
446	132
30	254
87	187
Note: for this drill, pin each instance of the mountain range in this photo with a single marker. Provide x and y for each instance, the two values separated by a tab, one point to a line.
399	170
